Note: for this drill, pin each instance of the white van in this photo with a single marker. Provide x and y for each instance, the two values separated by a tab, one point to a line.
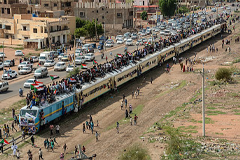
44	56
4	86
41	72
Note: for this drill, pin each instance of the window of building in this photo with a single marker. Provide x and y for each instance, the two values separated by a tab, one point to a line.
97	11
102	8
34	30
53	39
41	29
119	15
143	3
25	37
97	19
8	10
59	38
8	27
24	28
68	4
45	5
29	11
82	14
63	38
102	17
131	13
0	25
55	4
3	10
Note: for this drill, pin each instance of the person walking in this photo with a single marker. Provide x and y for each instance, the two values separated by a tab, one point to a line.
32	140
62	156
121	105
130	109
51	129
13	126
131	120
151	79
76	150
29	155
55	141
45	143
97	135
84	128
87	124
65	148
52	145
125	102
83	149
117	127
40	154
57	129
135	119
126	114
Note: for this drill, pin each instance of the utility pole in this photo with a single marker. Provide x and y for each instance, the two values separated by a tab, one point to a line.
96	29
133	15
3	56
104	46
74	56
49	43
203	102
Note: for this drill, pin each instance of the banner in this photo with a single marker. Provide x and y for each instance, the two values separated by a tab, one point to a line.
27	115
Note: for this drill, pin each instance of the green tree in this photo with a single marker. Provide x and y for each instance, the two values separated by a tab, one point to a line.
144	15
183	9
100	30
167	7
80	23
223	74
90	27
80	32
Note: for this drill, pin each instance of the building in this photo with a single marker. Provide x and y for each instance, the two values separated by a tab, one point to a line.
36	32
114	15
11	7
150	6
192	3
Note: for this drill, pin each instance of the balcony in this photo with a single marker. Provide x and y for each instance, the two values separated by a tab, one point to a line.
58	33
24	32
64	29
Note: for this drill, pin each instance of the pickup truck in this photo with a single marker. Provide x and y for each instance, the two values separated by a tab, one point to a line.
25	64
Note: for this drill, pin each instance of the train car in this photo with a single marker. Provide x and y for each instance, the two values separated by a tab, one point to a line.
196	40
32	118
167	53
217	29
90	91
148	63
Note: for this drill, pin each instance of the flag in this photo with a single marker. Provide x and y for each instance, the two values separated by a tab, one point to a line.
119	55
39	88
94	62
34	86
55	91
54	77
72	80
129	54
83	66
4	141
37	82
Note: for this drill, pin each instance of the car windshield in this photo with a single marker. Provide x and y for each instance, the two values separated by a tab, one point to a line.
30	81
88	55
48	61
7	61
8	72
70	66
38	71
25	68
78	58
65	56
60	64
86	45
31	112
18	51
129	40
42	57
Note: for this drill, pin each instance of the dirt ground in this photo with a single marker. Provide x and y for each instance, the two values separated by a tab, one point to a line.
168	91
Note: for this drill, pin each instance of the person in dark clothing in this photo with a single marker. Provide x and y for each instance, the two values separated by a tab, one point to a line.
32	140
126	114
76	150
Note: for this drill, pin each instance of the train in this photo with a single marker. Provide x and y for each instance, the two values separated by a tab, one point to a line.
32	120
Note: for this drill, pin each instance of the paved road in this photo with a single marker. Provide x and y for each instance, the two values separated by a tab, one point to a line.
14	86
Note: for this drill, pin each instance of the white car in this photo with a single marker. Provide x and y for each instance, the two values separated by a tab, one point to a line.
1	65
34	58
144	40
70	68
49	63
89	57
60	66
25	70
80	60
119	37
134	36
60	56
143	34
8	63
120	41
109	44
9	74
4	86
167	33
2	55
28	83
139	42
19	53
24	64
129	42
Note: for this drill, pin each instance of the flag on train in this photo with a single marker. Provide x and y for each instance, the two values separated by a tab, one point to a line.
55	91
94	62
72	80
34	85
83	66
38	89
4	141
119	55
54	77
37	82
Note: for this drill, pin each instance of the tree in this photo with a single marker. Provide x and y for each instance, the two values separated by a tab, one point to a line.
80	32
183	9
90	27
167	7
144	15
223	74
80	23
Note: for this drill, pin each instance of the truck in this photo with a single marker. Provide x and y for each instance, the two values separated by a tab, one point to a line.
44	56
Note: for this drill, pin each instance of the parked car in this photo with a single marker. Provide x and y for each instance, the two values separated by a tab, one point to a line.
134	36
78	52
120	41
4	86
119	37
2	55
89	57
41	72
139	42
60	56
129	42
19	53
49	63
213	10
9	74
34	58
110	41
8	63
1	65
25	64
65	58
25	70
109	44
80	60
144	40
70	68
88	48
28	83
60	66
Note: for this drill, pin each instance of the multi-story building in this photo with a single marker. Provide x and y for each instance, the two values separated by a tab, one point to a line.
192	3
114	15
36	32
11	7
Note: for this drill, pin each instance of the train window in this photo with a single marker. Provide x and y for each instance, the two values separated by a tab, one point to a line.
58	105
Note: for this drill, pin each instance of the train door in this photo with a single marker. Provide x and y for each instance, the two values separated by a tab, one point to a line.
63	110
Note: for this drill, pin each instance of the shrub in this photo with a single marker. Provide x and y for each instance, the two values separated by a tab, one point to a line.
136	152
74	72
223	74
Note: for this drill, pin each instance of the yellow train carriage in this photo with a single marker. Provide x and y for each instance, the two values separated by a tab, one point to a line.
207	34
148	63
126	74
217	30
196	40
92	90
167	53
